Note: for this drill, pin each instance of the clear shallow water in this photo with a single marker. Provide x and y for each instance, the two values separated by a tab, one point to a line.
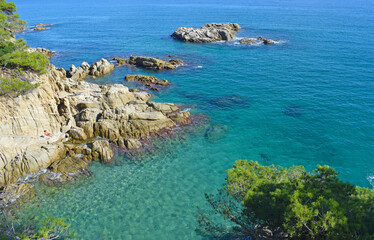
323	73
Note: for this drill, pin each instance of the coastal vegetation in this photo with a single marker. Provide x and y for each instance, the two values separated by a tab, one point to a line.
13	54
272	202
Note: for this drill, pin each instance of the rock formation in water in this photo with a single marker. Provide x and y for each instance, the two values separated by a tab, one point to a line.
154	63
148	81
41	27
212	32
97	69
82	119
258	40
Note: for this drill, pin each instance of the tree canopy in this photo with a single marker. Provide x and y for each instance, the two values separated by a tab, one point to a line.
289	203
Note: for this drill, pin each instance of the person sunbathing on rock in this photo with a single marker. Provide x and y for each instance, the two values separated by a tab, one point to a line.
46	134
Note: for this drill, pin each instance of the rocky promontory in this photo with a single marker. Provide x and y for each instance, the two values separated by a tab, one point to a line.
65	123
48	53
212	32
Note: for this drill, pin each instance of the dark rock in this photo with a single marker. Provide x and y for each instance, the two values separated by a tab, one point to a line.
215	132
293	111
154	63
231	101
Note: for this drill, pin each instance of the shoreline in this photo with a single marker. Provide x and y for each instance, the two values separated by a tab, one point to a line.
75	112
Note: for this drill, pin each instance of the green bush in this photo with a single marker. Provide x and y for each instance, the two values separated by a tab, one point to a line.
9	47
23	60
14	86
289	203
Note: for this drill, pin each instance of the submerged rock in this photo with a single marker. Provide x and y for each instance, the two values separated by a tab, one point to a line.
215	132
154	63
16	191
148	81
265	157
293	111
212	32
230	101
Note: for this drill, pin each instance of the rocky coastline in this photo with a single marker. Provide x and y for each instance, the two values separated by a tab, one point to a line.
82	120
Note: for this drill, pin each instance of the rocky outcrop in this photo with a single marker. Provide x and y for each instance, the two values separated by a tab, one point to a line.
121	61
101	151
148	81
247	40
48	53
212	32
154	63
97	69
74	112
78	72
258	40
101	68
41	27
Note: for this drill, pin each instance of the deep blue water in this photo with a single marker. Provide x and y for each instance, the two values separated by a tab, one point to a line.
307	101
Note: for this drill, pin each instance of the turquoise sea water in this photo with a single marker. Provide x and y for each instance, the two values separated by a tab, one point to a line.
309	101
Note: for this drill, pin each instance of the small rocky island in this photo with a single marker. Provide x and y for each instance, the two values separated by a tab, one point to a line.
150	63
212	32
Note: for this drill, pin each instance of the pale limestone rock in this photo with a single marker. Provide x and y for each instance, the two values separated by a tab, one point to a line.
101	151
133	144
212	32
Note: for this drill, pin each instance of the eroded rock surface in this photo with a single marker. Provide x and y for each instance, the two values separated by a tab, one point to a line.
48	53
73	112
154	63
265	41
148	81
97	69
212	32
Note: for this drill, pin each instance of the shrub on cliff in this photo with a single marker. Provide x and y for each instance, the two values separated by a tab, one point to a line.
289	203
14	86
12	54
9	20
23	60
